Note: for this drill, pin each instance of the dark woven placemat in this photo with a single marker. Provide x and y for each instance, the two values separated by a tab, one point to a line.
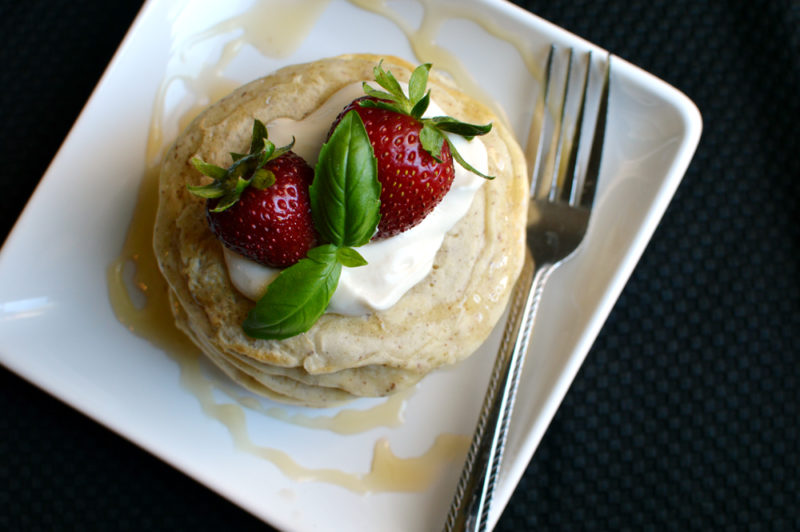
685	414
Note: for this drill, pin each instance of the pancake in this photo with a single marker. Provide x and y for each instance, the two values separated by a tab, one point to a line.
440	321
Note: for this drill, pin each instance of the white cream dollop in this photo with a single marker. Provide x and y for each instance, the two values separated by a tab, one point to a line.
395	264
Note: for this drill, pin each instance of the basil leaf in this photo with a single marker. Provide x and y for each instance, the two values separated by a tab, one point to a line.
350	257
418	82
432	140
296	299
345	194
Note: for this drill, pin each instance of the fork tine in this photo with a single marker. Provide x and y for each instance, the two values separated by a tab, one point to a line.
572	176
542	113
555	183
593	166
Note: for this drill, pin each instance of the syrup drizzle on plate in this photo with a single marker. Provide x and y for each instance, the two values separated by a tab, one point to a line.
138	292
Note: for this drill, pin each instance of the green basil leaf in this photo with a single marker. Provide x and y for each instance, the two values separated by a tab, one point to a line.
432	140
451	125
296	299
418	82
236	156
211	170
345	194
460	160
350	257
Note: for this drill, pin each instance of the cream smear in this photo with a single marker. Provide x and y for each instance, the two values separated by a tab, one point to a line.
395	264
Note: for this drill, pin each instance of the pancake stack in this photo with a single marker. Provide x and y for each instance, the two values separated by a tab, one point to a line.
440	321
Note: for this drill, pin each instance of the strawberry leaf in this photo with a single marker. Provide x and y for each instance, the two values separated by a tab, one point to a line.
296	299
280	151
210	191
345	194
432	136
262	178
246	170
451	125
421	106
211	170
232	195
386	80
418	82
381	104
259	135
432	140
457	156
264	155
375	93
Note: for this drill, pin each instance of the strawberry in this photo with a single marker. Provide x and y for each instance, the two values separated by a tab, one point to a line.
259	207
415	157
412	181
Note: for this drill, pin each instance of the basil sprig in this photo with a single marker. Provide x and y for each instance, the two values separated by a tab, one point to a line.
345	205
296	299
345	194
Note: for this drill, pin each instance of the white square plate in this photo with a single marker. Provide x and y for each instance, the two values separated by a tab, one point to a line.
89	360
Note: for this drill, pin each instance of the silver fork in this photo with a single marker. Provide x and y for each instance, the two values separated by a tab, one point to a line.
561	203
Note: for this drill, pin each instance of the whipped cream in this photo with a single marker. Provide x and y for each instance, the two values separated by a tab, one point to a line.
395	264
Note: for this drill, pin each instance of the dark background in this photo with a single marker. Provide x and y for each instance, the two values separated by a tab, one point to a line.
685	413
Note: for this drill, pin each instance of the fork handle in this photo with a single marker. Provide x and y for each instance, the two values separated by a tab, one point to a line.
469	509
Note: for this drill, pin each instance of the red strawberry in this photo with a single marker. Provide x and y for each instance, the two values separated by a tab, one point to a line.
415	158
412	181
259	207
272	226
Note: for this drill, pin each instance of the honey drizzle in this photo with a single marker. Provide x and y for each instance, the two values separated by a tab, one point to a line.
387	414
388	472
423	43
154	321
